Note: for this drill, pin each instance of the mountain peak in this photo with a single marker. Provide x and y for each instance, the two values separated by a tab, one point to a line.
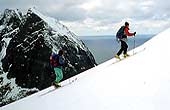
52	22
27	42
56	27
8	15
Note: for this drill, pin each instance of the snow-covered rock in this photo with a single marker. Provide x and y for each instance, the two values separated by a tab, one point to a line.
26	43
140	82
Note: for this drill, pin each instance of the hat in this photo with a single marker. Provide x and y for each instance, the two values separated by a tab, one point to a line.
126	23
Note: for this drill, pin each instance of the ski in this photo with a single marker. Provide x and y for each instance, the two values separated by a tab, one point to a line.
123	58
68	82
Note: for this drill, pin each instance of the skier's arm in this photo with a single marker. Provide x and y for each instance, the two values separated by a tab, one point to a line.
128	33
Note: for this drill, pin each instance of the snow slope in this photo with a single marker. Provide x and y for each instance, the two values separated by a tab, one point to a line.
140	82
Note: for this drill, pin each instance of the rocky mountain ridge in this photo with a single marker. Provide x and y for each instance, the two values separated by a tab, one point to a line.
26	43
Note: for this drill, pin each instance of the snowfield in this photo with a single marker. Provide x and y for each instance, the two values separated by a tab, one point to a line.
140	82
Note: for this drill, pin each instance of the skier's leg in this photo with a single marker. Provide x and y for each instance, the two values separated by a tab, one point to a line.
57	75
121	49
125	47
60	74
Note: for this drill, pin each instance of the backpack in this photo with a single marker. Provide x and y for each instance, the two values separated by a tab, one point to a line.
54	60
120	33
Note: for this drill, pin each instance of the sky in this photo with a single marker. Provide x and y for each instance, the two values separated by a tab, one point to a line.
101	17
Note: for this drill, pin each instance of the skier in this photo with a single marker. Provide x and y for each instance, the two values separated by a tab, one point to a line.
57	61
123	39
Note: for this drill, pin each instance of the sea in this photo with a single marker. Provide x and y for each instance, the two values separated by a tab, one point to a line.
105	47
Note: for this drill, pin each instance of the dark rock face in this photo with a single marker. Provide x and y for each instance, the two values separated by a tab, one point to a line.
27	57
31	43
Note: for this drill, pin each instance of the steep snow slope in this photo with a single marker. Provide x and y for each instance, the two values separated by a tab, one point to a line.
140	82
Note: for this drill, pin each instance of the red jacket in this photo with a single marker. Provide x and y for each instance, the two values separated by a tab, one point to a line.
127	32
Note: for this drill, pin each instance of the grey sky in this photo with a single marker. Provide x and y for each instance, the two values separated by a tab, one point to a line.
97	17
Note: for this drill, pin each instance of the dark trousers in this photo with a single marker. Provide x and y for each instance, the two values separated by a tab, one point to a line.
123	49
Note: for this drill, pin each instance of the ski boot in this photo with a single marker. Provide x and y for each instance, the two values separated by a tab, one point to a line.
56	85
126	55
116	56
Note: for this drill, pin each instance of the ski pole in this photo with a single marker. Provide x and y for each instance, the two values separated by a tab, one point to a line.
134	45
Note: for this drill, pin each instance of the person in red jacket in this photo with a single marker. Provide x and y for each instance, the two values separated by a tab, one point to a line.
123	40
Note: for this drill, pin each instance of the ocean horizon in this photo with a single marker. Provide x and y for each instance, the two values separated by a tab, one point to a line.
104	47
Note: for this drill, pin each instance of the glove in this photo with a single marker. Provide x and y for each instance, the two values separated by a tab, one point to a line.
118	40
134	33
